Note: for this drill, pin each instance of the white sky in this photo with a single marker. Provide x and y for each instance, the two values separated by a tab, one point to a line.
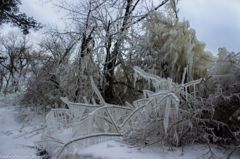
217	22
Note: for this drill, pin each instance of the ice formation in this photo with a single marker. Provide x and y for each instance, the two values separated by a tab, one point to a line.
92	123
173	46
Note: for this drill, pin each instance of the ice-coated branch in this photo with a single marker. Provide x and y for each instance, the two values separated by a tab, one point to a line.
146	75
85	137
192	83
125	121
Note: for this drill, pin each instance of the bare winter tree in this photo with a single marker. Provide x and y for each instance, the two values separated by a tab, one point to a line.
45	86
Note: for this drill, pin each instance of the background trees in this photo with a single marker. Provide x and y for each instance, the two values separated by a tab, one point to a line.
15	61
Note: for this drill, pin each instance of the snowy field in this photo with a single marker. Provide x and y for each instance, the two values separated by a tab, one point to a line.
20	127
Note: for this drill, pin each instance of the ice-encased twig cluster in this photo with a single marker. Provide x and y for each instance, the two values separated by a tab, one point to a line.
158	113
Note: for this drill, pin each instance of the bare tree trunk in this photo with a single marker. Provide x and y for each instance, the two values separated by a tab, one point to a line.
111	58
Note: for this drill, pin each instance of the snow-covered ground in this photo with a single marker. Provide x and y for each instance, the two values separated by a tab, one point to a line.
17	129
20	127
117	150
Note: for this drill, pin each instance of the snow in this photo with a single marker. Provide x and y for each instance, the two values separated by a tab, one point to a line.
117	150
13	124
16	140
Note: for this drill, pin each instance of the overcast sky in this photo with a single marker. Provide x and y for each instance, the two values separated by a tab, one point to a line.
217	22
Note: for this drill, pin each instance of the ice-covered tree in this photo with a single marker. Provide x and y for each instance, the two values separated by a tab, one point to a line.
169	45
104	32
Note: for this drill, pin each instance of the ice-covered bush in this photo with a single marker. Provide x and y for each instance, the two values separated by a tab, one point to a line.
213	119
224	81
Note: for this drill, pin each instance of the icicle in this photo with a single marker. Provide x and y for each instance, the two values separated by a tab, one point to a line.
97	91
186	93
176	103
169	85
183	75
194	91
135	79
166	115
144	94
176	137
93	101
85	100
190	69
190	124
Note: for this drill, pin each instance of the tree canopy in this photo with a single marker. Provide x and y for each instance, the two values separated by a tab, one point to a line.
9	13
